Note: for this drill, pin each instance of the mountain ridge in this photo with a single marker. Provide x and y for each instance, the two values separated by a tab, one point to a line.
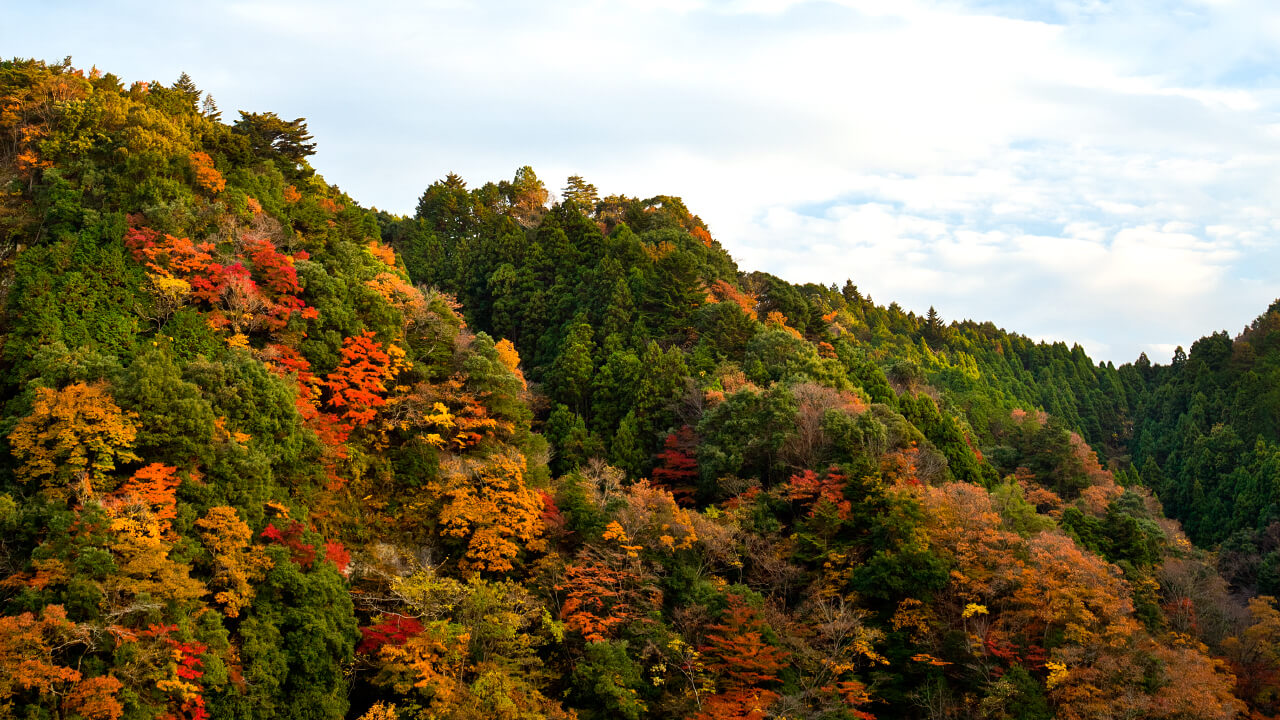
269	454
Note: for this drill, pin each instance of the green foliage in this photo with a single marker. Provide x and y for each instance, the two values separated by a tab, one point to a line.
386	486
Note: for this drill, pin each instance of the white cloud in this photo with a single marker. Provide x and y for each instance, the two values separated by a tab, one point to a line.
1065	169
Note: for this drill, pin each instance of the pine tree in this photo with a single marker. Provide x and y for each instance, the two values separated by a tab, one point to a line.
581	193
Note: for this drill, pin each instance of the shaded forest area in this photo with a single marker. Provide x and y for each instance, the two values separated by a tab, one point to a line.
270	454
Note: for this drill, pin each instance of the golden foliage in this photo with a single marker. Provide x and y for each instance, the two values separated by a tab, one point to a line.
27	653
76	433
511	359
385	255
237	562
776	319
487	504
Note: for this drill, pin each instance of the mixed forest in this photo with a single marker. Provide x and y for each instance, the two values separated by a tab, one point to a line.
535	453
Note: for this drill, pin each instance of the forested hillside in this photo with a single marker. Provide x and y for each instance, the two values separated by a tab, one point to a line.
270	454
1206	437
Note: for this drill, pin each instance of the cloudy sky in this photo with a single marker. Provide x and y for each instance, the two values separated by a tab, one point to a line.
1082	170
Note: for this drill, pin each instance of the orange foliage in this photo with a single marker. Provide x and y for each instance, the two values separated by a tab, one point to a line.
95	699
602	599
237	562
1102	484
76	433
358	385
155	488
702	235
511	359
738	704
778	320
27	652
398	293
487	504
899	466
291	195
207	176
737	651
721	291
965	527
385	255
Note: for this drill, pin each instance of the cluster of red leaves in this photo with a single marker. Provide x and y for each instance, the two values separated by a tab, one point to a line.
553	521
304	553
330	430
188	667
1028	655
358	384
811	489
229	288
387	630
677	469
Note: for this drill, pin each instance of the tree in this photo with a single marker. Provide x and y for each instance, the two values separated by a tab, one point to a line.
357	386
73	439
933	326
237	563
28	653
489	508
272	137
745	662
581	193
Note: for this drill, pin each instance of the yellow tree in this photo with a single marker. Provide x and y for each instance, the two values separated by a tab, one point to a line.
76	434
238	564
487	504
145	572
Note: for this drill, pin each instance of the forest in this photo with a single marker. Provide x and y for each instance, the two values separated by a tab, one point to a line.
534	453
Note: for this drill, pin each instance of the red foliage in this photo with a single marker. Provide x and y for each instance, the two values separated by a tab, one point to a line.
335	553
275	268
388	630
552	519
736	648
230	289
811	489
1028	655
677	468
302	553
358	383
189	668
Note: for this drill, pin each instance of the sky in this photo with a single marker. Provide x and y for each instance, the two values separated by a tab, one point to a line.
1077	170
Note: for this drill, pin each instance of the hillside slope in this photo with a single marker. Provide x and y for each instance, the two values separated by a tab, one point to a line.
273	455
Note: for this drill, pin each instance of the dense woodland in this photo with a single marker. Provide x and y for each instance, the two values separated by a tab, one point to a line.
544	454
